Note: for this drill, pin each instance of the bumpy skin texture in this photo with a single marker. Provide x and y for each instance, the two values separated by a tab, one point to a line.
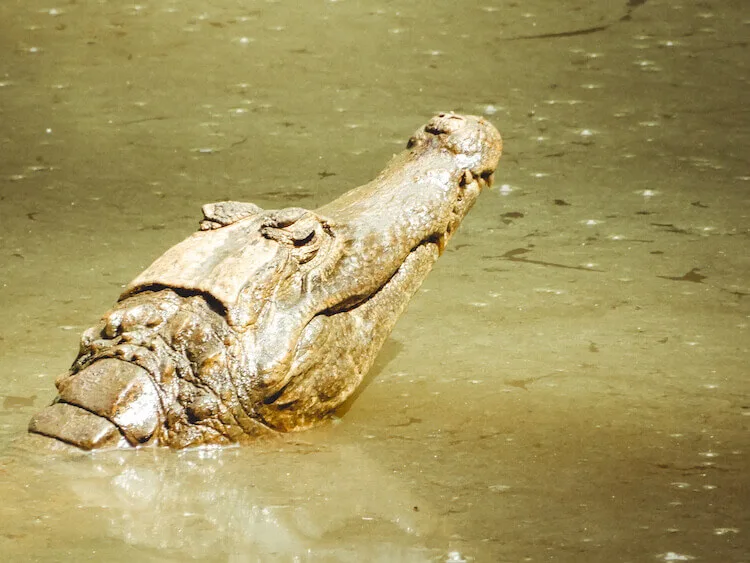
266	321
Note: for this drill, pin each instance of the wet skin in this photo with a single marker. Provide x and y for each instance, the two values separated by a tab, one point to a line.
267	321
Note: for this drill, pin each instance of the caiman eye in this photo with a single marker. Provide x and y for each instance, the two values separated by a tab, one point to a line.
302	231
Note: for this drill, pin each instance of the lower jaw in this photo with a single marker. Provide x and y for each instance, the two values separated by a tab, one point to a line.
72	425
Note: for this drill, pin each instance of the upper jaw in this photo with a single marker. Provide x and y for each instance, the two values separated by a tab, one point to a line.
474	142
422	196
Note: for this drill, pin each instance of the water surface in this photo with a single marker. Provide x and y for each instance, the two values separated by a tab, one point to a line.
571	383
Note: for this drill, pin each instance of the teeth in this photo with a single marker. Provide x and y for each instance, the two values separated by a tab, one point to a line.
483	180
466	179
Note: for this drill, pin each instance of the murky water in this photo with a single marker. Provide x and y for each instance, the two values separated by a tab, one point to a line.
571	384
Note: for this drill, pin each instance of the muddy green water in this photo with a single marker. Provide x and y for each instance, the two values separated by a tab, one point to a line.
571	384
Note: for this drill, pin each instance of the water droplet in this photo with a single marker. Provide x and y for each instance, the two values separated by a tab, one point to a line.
505	189
499	488
673	556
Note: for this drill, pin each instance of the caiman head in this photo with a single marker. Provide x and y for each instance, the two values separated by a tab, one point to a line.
267	321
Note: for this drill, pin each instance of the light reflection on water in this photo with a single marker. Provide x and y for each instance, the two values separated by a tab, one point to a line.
570	384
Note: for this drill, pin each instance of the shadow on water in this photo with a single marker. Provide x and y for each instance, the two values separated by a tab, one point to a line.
388	352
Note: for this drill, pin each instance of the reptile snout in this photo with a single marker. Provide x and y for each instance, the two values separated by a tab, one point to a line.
445	123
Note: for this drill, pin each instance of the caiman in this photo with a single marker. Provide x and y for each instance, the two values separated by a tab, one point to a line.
267	321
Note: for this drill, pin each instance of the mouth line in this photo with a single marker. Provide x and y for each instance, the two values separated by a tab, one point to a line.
351	307
70	416
354	302
438	238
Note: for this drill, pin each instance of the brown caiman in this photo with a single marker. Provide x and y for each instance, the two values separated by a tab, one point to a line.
267	321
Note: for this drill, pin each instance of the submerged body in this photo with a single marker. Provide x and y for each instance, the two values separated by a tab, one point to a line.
267	321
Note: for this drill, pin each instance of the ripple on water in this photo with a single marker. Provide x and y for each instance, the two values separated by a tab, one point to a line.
647	65
674	556
553	102
725	531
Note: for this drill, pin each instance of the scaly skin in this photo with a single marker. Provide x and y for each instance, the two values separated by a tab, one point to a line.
267	321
